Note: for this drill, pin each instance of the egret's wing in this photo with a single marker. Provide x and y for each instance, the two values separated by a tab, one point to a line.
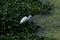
23	20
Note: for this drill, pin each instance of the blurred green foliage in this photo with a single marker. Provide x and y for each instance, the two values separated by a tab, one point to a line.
11	12
23	37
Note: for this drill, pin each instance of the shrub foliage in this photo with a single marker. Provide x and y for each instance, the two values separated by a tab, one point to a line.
11	12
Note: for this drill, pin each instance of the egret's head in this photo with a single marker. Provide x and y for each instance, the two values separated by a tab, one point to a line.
30	16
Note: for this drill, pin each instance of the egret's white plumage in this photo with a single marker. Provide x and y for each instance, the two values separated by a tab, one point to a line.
24	19
29	17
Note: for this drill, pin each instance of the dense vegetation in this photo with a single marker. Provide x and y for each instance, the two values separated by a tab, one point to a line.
11	12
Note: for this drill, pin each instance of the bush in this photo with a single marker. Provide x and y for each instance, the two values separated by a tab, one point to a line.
23	36
11	12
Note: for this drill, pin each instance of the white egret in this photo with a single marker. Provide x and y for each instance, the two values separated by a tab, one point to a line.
24	19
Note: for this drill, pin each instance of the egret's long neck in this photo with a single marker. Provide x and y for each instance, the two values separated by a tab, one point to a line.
29	17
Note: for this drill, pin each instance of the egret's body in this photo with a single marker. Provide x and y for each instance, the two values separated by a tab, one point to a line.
24	19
